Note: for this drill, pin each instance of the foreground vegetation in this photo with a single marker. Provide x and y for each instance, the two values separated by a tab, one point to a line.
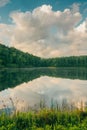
13	58
45	120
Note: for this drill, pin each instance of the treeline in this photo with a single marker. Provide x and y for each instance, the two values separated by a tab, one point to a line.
72	61
11	57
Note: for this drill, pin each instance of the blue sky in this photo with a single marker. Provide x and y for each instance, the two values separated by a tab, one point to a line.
42	26
25	5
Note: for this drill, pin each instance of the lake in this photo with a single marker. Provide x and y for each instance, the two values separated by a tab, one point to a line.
33	88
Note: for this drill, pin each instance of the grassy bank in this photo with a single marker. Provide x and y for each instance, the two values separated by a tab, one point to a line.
45	120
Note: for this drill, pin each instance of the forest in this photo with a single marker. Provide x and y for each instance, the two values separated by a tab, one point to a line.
10	57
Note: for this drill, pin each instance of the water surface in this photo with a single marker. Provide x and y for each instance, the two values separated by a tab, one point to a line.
24	89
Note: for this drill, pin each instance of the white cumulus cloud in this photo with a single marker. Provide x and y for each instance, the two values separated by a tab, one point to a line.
47	33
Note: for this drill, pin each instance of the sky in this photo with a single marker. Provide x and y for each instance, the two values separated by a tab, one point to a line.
45	28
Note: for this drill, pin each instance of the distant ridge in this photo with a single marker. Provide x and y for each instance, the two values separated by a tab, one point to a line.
14	58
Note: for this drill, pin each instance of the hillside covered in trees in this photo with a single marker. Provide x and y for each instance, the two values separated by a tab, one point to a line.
11	57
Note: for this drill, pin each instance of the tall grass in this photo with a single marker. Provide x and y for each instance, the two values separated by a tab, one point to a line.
57	117
45	120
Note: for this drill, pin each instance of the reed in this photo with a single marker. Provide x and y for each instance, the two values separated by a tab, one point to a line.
57	117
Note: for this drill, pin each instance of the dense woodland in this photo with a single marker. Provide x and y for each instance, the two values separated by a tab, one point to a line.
13	58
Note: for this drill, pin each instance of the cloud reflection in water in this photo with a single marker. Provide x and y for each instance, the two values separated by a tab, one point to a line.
45	89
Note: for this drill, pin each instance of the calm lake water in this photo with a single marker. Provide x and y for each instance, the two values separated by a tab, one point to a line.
24	89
